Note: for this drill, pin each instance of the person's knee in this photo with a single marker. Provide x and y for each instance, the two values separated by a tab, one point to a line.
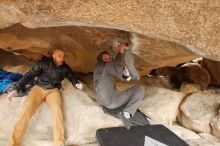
29	104
140	89
106	103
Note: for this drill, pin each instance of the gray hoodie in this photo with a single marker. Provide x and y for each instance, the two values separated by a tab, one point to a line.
103	78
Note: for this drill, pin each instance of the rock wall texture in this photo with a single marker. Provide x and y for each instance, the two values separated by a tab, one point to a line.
161	33
161	105
194	24
9	58
83	116
215	124
198	109
83	44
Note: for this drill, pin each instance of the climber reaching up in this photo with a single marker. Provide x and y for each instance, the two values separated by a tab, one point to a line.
106	70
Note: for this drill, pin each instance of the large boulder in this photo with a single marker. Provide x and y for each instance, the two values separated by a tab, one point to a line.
17	59
182	132
197	110
161	105
205	140
189	88
83	44
191	23
215	124
81	114
20	68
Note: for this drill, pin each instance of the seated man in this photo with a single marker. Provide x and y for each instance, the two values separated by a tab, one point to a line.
105	72
49	72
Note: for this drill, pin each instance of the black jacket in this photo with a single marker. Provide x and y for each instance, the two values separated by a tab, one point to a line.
48	74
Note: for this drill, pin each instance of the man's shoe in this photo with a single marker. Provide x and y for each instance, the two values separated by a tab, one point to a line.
129	63
126	121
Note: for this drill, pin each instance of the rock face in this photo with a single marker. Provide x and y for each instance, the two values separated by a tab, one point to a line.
206	139
189	88
161	33
183	132
197	111
20	68
194	24
6	59
82	118
80	44
83	44
215	124
161	105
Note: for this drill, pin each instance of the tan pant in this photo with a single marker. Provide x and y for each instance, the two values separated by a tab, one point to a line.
36	96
